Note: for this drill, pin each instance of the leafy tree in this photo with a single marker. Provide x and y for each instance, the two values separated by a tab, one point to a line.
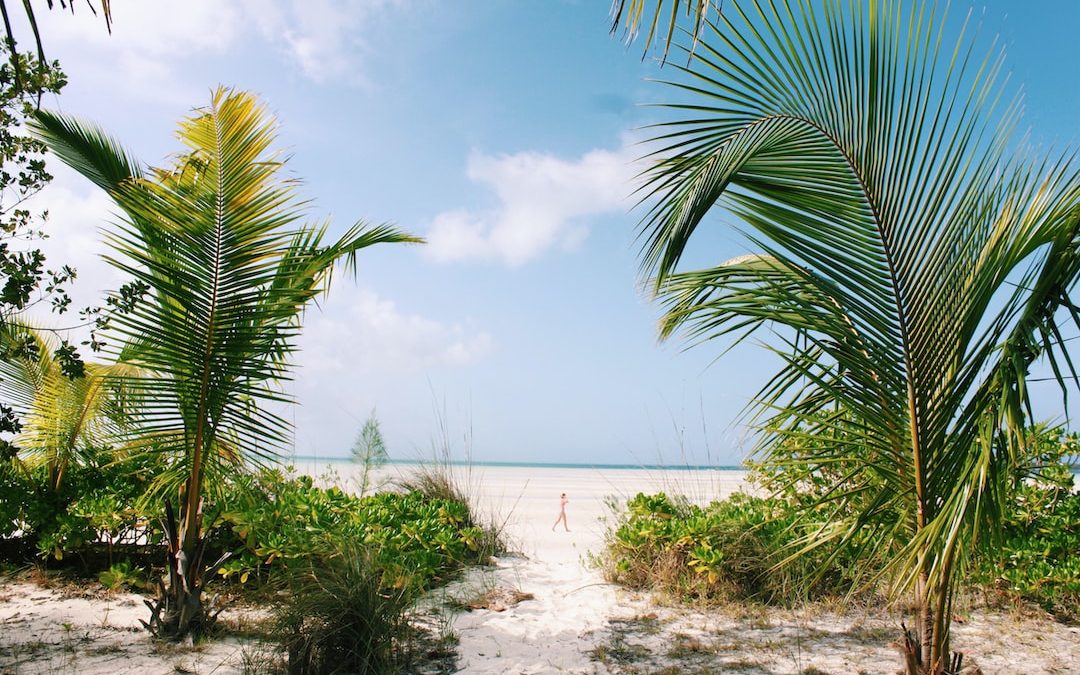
24	78
21	69
217	237
24	279
913	265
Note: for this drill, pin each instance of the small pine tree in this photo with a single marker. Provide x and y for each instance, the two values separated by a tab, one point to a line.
369	449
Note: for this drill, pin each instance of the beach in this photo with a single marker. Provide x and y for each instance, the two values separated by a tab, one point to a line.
543	607
523	500
576	622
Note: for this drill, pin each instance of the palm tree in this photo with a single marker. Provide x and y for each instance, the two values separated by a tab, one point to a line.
65	421
912	266
217	240
629	15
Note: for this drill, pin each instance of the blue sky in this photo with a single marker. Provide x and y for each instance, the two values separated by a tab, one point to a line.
504	132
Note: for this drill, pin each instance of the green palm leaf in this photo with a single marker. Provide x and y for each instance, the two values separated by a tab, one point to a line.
912	265
218	239
65	420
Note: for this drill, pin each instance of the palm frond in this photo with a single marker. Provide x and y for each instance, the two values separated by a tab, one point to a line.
913	264
220	240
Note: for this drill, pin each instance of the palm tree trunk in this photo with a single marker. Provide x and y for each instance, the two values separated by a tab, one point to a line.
925	623
179	609
187	586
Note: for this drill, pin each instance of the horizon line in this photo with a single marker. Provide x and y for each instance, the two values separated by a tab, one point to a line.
509	463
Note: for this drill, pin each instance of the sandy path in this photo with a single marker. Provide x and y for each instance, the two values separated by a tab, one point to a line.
577	623
573	605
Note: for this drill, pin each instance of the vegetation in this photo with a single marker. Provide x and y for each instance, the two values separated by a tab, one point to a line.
1034	559
215	240
63	420
20	70
723	552
95	512
628	14
1037	560
337	615
911	270
265	520
369	450
203	335
347	567
24	280
415	541
739	548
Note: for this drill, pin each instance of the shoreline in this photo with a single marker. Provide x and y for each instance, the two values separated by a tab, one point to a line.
335	460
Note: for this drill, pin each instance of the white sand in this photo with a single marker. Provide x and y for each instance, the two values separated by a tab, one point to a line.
572	603
576	622
68	630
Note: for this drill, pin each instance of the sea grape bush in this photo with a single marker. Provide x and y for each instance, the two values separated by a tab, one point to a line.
724	551
416	541
730	549
265	518
1037	557
97	506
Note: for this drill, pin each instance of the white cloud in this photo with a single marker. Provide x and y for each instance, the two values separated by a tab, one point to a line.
152	28
544	202
356	331
145	55
325	38
152	43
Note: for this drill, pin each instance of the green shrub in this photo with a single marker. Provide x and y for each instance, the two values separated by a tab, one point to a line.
97	505
1036	558
348	566
16	490
121	575
417	541
338	614
728	550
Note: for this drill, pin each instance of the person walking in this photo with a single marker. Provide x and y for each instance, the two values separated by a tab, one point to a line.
562	513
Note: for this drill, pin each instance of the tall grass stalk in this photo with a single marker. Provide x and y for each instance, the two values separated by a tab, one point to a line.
442	477
337	615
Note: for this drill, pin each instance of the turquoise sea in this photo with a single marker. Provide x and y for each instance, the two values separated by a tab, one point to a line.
529	465
544	465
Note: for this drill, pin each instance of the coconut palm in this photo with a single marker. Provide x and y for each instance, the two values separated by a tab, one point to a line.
630	15
218	239
911	266
65	421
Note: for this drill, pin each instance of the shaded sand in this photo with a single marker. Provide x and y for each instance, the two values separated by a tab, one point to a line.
68	629
573	623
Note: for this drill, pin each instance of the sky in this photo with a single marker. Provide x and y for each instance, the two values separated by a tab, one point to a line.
505	133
